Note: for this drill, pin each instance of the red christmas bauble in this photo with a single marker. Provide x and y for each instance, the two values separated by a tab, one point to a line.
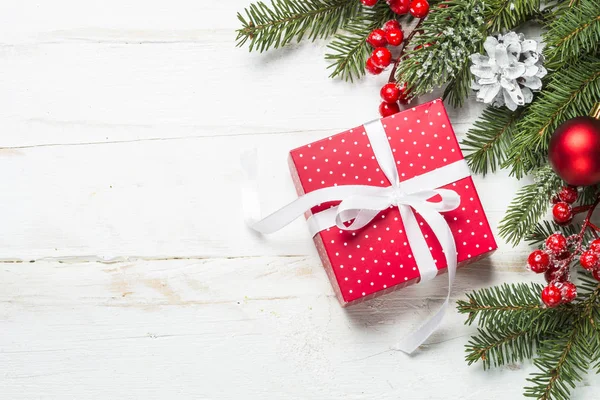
574	151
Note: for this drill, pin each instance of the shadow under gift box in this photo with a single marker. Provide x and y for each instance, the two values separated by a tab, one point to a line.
377	259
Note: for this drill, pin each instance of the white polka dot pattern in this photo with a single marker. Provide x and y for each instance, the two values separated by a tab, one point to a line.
378	258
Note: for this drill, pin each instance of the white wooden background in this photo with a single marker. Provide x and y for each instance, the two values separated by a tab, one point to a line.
126	271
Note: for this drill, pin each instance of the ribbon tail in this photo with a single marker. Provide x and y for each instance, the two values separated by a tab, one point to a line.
441	229
285	215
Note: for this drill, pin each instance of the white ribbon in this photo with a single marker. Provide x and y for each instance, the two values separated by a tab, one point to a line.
360	204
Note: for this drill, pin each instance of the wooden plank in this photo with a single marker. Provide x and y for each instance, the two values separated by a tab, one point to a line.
157	198
200	329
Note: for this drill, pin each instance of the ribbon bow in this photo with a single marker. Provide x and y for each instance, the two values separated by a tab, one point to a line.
360	204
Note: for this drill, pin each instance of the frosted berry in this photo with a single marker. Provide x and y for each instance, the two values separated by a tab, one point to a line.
562	213
369	3
377	38
381	57
372	68
551	295
400	7
568	290
419	8
391	24
595	246
394	37
390	93
589	260
596	274
553	275
538	261
568	194
556	243
387	109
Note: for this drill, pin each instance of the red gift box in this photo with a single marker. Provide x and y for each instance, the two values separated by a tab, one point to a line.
378	258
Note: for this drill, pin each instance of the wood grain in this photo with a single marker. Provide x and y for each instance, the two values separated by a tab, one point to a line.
126	270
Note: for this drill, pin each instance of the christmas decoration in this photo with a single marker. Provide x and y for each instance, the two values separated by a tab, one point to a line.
574	150
373	241
432	52
556	323
511	71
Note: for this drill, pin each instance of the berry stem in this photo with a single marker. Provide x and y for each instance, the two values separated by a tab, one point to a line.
581	209
405	43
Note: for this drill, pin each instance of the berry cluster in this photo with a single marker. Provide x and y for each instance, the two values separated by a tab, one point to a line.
391	93
559	252
391	34
381	57
417	8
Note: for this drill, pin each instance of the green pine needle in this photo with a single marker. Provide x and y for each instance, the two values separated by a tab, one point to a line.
563	341
287	20
505	15
349	50
573	31
490	138
529	206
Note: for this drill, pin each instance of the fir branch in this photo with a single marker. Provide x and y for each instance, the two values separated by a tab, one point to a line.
564	358
562	361
512	323
572	31
495	305
285	20
490	138
571	92
448	37
505	15
529	205
496	348
349	50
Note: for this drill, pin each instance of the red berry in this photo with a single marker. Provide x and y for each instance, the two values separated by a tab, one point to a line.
382	57
556	243
372	68
589	260
377	38
551	295
390	93
568	194
568	291
391	24
553	275
538	261
387	109
369	3
554	199
596	274
400	7
394	36
595	246
419	8
562	213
